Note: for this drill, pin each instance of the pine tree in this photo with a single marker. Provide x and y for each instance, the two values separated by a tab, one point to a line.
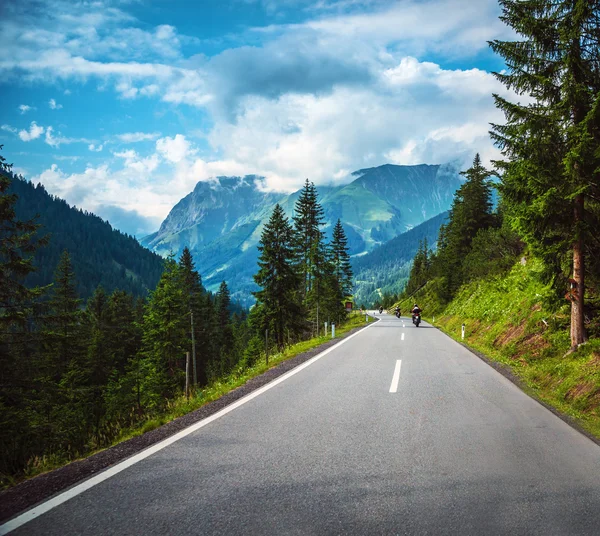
99	357
194	295
225	329
420	270
471	211
308	220
278	279
164	335
311	252
62	365
551	175
341	260
18	311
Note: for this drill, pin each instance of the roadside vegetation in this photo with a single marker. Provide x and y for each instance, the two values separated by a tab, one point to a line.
182	405
524	276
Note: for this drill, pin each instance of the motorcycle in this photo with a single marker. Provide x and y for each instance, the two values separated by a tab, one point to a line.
416	319
381	310
397	314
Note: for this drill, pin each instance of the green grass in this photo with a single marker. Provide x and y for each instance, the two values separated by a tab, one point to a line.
181	405
506	319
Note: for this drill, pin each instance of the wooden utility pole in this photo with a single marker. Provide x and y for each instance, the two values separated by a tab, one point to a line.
578	291
267	345
187	375
194	349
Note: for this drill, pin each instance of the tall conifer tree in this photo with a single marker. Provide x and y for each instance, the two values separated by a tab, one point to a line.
165	329
311	252
194	296
341	259
277	275
18	243
471	211
551	175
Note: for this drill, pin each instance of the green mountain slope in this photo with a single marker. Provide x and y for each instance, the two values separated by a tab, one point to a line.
385	270
221	221
100	254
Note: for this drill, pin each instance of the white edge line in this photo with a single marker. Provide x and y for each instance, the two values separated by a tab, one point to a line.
396	377
48	505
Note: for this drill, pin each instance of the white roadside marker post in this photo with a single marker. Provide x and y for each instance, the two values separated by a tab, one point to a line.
463	331
333	331
325	329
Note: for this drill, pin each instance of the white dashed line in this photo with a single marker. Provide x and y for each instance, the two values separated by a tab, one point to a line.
396	377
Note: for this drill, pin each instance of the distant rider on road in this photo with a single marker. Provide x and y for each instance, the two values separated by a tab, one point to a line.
415	311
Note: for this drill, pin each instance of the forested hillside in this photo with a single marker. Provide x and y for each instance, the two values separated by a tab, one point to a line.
382	274
100	254
76	375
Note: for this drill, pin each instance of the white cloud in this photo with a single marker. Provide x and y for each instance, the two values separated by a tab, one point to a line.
50	139
53	105
35	131
59	139
24	108
174	149
8	128
134	137
319	99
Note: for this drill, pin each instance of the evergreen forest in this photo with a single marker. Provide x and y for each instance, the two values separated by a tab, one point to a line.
101	255
79	372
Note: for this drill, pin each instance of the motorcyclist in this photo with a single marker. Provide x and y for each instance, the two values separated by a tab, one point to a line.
380	309
416	310
397	311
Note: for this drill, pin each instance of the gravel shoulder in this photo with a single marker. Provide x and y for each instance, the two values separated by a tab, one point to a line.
31	492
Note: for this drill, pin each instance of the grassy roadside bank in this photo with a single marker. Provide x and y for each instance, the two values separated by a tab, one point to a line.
506	320
182	406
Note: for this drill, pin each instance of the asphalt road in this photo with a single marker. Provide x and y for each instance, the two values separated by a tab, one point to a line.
340	448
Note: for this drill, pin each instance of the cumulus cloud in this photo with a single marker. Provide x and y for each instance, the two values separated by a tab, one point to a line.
95	148
174	149
24	108
54	105
358	84
34	132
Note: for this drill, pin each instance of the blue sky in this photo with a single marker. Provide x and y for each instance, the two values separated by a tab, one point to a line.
121	107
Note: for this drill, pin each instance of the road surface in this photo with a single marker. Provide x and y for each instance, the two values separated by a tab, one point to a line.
397	430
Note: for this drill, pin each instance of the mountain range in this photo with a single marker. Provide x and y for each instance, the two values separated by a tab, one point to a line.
221	220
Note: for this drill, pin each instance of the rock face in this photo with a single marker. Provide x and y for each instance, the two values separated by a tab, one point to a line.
221	221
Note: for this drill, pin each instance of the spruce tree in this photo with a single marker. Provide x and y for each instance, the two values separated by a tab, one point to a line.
99	357
164	336
471	211
278	279
551	171
225	329
311	252
18	338
62	365
341	259
196	304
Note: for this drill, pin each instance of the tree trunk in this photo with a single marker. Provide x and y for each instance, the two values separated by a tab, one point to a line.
577	326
